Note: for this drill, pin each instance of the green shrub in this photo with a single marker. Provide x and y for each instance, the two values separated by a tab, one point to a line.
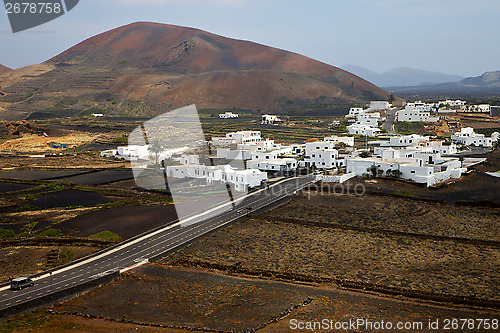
27	208
51	233
7	233
106	235
406	194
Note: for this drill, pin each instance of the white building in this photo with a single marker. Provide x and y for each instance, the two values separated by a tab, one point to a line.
353	112
134	152
270	120
452	103
379	105
322	155
280	164
239	180
426	168
364	130
347	140
237	137
482	108
228	115
415	114
404	141
468	137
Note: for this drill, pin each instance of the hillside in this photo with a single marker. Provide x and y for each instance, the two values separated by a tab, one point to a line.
402	76
4	69
485	85
142	68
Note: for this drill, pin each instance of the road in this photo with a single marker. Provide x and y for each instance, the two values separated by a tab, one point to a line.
137	251
388	125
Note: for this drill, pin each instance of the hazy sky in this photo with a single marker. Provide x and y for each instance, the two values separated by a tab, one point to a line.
450	36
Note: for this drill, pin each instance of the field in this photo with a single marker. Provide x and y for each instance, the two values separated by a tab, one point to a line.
380	243
175	299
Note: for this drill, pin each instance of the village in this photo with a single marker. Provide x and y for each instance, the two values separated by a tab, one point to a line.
246	160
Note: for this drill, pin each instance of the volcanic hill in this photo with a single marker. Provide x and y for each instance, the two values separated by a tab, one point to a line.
144	69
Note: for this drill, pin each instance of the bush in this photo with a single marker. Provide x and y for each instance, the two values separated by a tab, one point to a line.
7	233
106	235
406	194
51	233
27	208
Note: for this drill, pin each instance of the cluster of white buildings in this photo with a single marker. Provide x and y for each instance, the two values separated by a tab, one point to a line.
366	122
467	137
416	112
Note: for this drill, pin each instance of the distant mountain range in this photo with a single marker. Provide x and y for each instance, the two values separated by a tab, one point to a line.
485	85
164	66
4	69
402	76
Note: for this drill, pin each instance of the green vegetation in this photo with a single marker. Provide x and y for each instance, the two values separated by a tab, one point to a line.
51	232
123	62
122	140
27	208
7	233
406	194
106	235
29	321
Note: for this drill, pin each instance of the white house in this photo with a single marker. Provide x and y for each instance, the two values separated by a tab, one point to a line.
236	154
353	112
403	141
239	180
238	137
364	130
228	115
321	154
379	105
280	164
270	120
347	140
415	114
468	137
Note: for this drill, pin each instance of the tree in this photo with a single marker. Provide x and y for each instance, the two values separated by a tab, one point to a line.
396	173
392	98
156	147
364	154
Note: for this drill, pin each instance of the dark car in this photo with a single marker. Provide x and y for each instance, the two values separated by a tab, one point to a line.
21	283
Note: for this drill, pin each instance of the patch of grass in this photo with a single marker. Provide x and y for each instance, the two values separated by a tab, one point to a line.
30	321
7	233
27	208
107	235
51	232
73	207
406	194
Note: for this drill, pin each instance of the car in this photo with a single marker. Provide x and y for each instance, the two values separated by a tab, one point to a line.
20	283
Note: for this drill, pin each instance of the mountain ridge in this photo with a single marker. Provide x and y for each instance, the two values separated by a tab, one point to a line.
402	76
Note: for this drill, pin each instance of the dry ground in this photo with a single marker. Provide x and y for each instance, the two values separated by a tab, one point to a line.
441	266
196	298
28	260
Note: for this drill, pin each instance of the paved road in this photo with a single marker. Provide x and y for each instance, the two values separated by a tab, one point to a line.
388	125
139	250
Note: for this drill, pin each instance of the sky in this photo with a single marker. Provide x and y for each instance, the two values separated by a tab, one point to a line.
449	36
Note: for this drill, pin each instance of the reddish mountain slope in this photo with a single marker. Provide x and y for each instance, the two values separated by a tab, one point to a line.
158	64
4	69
